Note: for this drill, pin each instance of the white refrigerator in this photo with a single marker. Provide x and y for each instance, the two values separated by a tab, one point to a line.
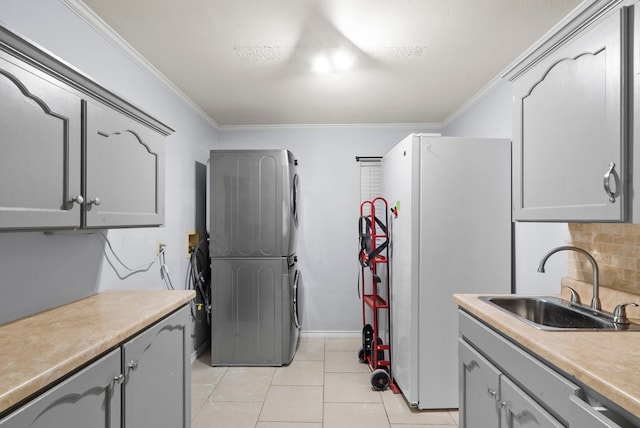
452	234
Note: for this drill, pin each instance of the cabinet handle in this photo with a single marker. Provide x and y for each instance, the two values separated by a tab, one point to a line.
492	393
95	201
77	200
520	415
607	180
118	379
132	364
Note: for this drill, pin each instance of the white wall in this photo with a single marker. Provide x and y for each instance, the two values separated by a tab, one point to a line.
38	271
329	209
491	116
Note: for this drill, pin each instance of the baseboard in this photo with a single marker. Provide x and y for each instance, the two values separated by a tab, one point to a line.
329	334
203	347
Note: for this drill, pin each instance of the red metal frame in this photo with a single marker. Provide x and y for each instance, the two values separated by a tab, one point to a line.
373	298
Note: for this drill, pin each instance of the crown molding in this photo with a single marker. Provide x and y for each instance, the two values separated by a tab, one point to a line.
109	34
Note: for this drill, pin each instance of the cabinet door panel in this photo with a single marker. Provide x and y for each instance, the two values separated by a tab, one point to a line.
124	170
479	389
40	150
521	411
569	127
88	399
584	416
157	391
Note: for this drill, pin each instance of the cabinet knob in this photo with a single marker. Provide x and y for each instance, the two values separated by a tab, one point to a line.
118	379
77	200
492	393
607	182
132	364
95	201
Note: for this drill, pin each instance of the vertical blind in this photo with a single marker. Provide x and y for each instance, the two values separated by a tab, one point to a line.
370	178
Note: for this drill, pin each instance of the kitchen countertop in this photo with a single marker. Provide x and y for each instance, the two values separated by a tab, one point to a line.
40	349
607	362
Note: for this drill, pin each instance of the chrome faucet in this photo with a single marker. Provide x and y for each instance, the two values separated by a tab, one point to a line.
595	301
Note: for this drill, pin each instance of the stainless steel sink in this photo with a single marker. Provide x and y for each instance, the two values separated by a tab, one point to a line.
553	313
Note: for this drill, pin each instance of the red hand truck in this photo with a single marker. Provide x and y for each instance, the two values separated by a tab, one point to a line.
374	289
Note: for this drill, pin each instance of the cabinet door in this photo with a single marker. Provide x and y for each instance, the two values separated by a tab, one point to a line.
479	389
157	388
123	173
570	130
585	416
88	399
39	149
521	411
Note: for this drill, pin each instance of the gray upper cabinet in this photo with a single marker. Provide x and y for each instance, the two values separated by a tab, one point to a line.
570	130
124	171
72	153
39	149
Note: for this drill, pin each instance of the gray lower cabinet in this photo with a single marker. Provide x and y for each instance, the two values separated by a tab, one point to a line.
144	383
519	410
504	386
479	389
157	386
73	154
570	137
585	415
90	398
488	398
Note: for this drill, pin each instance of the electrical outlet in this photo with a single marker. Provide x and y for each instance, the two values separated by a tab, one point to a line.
160	246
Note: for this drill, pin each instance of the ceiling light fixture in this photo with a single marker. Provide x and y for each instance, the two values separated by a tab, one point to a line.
333	61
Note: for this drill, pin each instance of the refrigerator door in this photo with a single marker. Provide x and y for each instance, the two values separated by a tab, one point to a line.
400	187
452	234
465	247
253	203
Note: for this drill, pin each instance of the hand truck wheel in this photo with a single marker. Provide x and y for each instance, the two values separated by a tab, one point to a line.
361	356
380	379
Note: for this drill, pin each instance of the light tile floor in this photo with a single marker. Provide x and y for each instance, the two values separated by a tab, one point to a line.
324	386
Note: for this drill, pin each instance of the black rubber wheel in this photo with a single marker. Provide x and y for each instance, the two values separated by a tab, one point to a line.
361	356
380	379
380	355
367	338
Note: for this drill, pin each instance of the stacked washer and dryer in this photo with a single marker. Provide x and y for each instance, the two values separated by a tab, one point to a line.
255	282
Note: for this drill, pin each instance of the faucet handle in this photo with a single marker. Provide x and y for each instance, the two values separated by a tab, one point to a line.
575	298
620	313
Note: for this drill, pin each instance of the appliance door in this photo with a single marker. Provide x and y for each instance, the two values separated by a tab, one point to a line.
249	298
465	247
250	203
290	207
297	302
292	305
400	171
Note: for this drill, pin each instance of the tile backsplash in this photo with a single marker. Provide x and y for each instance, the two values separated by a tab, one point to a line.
616	248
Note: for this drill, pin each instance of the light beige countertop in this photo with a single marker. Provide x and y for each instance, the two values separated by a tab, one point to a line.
40	349
605	361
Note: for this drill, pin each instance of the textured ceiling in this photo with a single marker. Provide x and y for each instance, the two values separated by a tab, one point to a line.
248	62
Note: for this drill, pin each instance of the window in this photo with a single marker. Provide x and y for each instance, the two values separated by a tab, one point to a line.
370	178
